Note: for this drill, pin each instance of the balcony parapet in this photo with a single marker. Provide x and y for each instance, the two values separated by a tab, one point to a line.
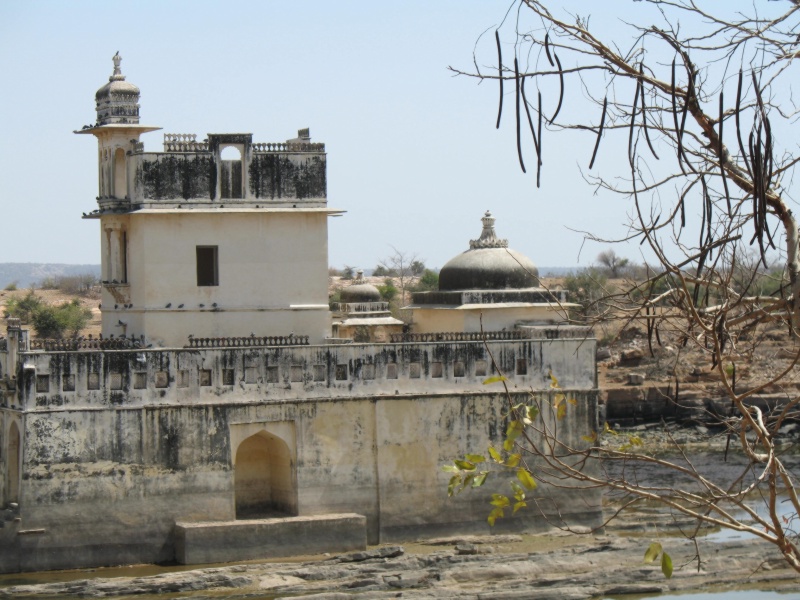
248	341
88	343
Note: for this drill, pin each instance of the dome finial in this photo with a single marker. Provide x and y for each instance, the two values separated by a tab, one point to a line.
117	75
488	237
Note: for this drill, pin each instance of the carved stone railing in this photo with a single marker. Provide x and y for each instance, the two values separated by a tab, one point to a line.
570	332
288	147
88	343
360	307
183	142
458	336
249	341
138	147
13	323
336	341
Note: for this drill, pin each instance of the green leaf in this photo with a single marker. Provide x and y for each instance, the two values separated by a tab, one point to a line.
561	412
635	440
465	465
451	487
494	379
494	515
500	501
526	479
450	469
513	460
652	552
533	412
666	565
518	505
519	493
475	458
480	479
553	380
508	445
496	456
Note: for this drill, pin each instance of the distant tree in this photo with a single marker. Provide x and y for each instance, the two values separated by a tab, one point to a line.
614	265
382	271
11	287
428	281
66	319
417	268
348	272
24	308
402	265
587	287
388	290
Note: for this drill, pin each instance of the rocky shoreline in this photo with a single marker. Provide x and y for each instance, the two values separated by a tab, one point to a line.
548	566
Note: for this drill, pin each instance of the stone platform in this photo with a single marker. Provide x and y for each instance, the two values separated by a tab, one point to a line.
227	541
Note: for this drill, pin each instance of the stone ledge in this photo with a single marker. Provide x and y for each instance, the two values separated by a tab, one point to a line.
227	541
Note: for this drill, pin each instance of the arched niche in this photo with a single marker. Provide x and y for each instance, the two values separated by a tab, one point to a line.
14	456
265	477
120	174
231	173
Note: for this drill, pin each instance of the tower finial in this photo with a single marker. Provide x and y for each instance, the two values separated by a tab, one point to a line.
488	237
117	76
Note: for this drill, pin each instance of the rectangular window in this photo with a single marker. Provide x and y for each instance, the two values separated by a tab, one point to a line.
93	381
368	371
319	372
139	381
207	266
251	374
391	371
296	373
341	372
272	375
68	383
458	369
183	378
480	368
227	376
42	384
414	370
115	381
522	366
436	369
205	377
162	379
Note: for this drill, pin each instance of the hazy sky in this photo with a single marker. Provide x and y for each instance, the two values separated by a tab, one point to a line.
413	154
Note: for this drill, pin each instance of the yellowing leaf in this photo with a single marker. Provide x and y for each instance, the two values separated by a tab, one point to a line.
464	465
652	552
553	380
518	505
533	412
450	469
494	379
508	445
499	501
635	440
607	429
494	515
666	565
454	481
561	412
572	401
513	460
558	399
496	457
526	479
475	458
590	438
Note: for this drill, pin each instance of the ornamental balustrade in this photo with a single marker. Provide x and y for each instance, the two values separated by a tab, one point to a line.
457	336
88	343
248	341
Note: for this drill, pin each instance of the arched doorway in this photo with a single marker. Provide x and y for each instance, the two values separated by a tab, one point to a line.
120	174
264	478
13	463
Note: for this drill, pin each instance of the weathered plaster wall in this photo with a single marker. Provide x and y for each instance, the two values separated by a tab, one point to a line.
489	317
272	276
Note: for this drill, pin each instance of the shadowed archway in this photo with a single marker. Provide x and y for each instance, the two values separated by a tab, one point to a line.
264	478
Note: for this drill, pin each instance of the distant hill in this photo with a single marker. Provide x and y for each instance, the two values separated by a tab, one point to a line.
26	274
557	271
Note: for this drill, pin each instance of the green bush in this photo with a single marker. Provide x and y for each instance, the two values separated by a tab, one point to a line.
57	321
587	287
388	290
11	287
24	308
428	282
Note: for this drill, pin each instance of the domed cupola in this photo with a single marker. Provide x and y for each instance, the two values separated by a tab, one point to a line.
360	292
118	100
489	264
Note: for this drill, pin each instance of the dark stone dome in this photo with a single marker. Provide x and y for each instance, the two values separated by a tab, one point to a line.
360	292
488	265
118	100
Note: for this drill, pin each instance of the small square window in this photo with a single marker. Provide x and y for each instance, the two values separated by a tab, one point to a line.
183	378
227	376
368	371
115	381
68	383
436	370
319	372
162	379
251	374
391	371
341	372
207	266
458	369
42	384
139	381
272	375
297	373
205	377
93	381
522	366
480	368
414	370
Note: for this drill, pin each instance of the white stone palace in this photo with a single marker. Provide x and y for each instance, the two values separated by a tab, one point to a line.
227	413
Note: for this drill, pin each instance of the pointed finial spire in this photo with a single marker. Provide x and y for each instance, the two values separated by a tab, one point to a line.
488	237
117	75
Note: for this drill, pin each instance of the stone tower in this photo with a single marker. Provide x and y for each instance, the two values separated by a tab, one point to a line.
220	238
